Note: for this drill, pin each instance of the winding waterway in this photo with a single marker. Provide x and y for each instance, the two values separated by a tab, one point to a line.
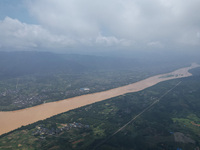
10	120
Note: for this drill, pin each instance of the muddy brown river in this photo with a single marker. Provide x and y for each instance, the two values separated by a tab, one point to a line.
10	120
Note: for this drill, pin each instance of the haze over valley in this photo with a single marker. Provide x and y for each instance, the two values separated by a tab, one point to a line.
92	75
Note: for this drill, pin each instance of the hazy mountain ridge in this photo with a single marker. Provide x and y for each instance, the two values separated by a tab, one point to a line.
13	64
32	78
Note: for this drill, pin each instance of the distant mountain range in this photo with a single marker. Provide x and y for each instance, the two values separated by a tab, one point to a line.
13	64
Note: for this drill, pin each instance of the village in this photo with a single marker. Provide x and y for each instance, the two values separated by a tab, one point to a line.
19	99
43	131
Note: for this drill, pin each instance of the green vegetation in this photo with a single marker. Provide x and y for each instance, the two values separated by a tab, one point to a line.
191	122
27	91
32	78
170	124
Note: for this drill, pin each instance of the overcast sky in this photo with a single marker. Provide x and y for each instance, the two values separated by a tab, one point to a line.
63	25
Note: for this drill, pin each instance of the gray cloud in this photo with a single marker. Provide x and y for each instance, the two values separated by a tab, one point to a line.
17	35
127	24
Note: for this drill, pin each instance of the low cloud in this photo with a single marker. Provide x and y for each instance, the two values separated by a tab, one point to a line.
112	41
18	35
128	24
155	44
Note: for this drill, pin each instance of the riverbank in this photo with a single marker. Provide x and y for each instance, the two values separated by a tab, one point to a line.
11	120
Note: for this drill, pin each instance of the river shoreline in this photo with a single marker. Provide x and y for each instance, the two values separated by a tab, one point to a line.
10	120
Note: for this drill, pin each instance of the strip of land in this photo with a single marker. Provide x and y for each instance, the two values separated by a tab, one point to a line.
11	120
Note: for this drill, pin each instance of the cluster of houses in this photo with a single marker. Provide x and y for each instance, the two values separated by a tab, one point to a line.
8	92
25	100
84	89
42	131
20	99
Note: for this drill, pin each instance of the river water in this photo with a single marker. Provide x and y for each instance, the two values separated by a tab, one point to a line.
10	120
